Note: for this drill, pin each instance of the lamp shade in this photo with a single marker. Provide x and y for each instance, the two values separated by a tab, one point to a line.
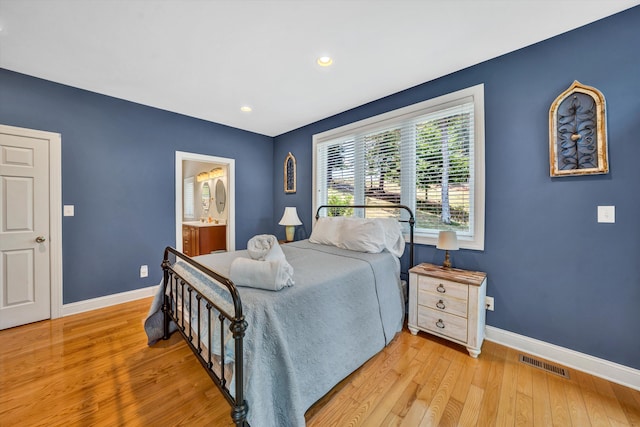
447	240
290	217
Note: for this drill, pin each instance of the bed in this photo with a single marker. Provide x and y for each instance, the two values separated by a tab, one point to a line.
274	354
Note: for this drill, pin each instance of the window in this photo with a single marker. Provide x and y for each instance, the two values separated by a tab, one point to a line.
428	156
189	202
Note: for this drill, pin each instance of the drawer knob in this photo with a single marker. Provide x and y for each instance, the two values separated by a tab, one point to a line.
440	305
440	324
441	289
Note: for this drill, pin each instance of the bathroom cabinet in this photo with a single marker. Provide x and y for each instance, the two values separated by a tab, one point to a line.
203	238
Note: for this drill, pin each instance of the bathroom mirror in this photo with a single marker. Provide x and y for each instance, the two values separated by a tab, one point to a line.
206	197
221	196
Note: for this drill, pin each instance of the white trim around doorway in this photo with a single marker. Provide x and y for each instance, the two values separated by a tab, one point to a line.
55	222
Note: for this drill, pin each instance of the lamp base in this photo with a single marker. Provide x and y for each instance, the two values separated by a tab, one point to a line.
290	231
447	260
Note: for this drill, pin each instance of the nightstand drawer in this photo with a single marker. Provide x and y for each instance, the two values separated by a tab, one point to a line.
442	303
446	324
443	287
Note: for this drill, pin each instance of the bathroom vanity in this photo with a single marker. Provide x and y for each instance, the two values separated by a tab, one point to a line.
199	238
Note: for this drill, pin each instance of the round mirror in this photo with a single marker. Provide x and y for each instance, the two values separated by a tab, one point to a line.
206	197
221	196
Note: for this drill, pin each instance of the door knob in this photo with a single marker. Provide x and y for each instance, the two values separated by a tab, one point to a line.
40	239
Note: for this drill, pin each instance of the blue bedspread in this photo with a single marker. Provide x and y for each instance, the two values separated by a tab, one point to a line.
301	341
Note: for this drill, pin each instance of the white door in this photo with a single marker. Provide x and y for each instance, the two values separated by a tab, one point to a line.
25	280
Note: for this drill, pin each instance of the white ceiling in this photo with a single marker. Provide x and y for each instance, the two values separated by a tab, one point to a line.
205	59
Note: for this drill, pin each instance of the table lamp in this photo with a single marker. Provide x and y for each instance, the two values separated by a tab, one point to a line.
448	241
290	220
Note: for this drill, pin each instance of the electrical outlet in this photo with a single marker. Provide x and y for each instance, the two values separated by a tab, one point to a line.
144	271
488	303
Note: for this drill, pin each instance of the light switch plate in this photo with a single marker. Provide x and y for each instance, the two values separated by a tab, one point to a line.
607	214
69	210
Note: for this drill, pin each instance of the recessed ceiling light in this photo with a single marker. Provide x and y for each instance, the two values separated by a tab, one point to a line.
246	109
325	61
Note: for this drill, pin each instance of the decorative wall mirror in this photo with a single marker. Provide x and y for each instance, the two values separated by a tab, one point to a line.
290	174
221	196
578	132
206	197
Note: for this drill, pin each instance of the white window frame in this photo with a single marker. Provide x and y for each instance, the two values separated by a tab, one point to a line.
476	240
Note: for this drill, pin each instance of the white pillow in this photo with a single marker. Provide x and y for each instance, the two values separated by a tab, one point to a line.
327	231
394	240
362	235
371	235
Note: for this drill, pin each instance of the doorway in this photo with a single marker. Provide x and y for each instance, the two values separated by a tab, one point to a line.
218	212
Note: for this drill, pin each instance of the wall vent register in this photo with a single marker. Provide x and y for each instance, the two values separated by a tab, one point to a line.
553	369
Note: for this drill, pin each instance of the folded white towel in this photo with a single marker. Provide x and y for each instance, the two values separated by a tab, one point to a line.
261	245
270	275
267	269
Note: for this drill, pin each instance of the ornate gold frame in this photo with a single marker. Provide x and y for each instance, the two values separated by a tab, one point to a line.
289	174
572	150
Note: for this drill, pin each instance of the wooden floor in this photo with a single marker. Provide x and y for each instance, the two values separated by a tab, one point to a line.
95	369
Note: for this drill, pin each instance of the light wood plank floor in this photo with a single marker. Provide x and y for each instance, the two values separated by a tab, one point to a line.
95	369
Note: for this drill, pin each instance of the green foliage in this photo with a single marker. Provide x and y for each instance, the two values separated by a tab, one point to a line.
382	156
340	199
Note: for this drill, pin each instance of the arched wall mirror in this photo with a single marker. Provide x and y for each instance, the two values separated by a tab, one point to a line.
206	197
221	196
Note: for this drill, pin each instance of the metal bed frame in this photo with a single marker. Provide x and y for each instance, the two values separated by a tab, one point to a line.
176	287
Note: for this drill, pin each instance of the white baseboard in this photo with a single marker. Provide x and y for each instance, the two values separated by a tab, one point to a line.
107	301
611	371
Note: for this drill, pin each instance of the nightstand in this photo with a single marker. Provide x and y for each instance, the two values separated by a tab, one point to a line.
449	303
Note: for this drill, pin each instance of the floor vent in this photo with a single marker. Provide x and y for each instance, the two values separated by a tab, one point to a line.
528	360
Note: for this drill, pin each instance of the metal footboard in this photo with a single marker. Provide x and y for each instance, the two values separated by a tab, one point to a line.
186	307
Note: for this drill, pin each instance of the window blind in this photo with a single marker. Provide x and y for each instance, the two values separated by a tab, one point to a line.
423	159
188	199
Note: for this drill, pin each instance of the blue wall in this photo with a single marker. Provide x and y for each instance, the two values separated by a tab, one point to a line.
118	169
556	274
